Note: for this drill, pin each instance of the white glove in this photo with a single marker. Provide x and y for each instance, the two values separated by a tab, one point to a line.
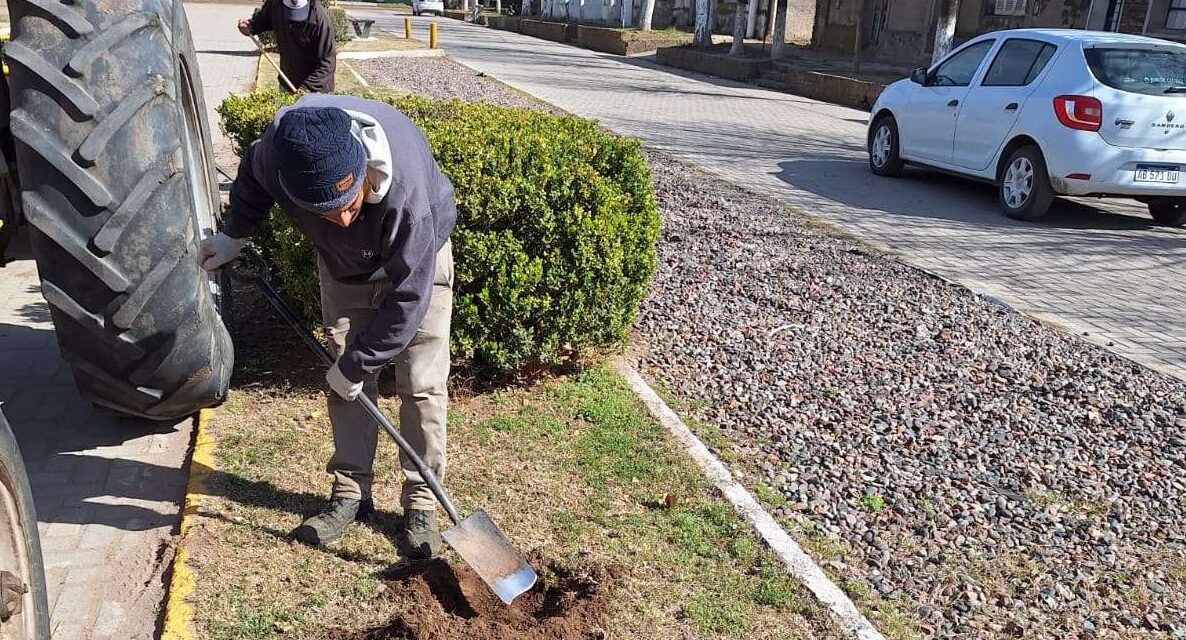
342	386
218	250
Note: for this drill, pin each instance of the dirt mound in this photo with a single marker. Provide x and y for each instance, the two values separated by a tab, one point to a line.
448	602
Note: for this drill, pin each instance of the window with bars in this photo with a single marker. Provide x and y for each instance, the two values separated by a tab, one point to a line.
1176	18
1013	8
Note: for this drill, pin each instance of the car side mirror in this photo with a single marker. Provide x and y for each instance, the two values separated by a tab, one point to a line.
919	76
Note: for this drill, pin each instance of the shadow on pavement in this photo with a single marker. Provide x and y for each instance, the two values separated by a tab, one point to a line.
63	438
929	194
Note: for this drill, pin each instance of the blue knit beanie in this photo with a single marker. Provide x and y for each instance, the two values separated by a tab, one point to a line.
322	165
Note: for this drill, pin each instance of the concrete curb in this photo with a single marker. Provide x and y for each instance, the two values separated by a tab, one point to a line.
178	614
798	563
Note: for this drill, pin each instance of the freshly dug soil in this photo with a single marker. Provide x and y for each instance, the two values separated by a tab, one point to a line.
447	601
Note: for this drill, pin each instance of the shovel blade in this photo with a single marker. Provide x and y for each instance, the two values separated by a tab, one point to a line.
483	547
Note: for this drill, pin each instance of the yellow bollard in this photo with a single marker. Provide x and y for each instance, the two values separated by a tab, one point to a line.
407	28
432	35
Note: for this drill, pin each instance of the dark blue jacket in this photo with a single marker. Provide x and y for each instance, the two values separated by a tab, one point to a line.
396	239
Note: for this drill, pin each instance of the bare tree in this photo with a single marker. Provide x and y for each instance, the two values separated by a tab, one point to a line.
648	12
739	20
858	29
949	11
780	28
702	37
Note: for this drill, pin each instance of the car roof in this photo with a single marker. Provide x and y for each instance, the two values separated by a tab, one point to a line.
1087	38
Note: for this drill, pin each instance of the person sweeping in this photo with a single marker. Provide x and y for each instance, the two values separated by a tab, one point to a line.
358	179
304	36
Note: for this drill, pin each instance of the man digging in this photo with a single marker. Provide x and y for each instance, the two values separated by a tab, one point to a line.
357	178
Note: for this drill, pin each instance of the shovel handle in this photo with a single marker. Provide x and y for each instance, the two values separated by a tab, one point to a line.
259	45
291	317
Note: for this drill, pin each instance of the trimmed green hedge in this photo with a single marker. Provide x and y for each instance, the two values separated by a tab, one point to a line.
555	238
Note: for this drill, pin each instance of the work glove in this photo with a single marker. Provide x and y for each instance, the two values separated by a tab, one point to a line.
218	250
342	385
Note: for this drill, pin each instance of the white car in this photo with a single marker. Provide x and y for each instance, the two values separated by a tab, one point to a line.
421	7
1046	112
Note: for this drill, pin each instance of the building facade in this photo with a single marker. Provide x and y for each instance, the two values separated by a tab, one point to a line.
903	31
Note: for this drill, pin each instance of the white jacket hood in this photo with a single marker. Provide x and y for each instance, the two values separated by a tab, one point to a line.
367	131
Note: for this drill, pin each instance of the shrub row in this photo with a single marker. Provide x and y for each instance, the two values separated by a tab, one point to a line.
555	238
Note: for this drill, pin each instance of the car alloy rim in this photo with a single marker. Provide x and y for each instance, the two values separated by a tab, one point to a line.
1018	183
881	146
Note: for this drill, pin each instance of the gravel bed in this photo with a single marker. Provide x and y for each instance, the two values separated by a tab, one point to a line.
962	470
987	474
445	78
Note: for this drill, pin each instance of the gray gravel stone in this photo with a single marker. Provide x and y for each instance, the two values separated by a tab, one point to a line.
1037	466
1029	484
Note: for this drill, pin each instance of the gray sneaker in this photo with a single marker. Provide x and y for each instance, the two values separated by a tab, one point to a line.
330	524
421	534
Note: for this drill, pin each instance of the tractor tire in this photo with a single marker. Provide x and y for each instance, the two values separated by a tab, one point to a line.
22	570
116	172
10	205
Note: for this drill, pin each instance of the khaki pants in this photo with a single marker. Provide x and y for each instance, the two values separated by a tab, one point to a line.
421	372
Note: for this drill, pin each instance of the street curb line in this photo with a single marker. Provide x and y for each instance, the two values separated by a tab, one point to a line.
797	562
178	613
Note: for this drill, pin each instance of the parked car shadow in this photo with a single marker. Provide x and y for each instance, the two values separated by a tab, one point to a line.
923	193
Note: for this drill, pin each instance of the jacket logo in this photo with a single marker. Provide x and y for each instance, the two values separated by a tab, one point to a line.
367	254
344	184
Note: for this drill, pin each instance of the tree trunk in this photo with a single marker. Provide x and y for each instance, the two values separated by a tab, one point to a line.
739	19
751	19
949	11
858	29
780	29
703	34
648	12
498	7
627	19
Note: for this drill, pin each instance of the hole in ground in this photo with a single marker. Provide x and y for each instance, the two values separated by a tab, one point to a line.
446	601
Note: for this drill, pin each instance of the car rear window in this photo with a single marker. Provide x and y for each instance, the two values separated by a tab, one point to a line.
1147	71
1018	63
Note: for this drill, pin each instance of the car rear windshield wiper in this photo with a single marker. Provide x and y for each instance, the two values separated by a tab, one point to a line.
1176	89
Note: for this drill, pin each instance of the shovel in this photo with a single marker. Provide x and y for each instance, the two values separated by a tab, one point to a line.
476	538
283	78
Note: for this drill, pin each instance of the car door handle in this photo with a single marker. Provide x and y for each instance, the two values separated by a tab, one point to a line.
953	103
1012	106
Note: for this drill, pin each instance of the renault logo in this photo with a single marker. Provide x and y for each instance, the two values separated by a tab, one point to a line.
1169	117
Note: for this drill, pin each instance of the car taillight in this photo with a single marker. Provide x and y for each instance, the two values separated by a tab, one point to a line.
1079	112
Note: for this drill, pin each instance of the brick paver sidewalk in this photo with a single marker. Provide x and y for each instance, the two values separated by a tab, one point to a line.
106	488
1101	269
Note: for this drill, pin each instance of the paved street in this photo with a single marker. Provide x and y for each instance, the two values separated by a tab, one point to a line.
106	489
1103	269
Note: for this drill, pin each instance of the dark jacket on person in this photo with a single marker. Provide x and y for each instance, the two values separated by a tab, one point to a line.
395	239
308	55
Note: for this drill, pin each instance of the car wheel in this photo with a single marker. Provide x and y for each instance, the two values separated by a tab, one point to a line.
1169	212
1024	186
24	608
883	148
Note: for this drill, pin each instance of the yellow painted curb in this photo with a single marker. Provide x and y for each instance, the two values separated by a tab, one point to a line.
178	613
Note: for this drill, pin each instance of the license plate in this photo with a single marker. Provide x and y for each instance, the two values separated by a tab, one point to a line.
1167	174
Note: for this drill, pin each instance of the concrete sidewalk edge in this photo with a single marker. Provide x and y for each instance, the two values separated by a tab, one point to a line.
178	613
798	564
